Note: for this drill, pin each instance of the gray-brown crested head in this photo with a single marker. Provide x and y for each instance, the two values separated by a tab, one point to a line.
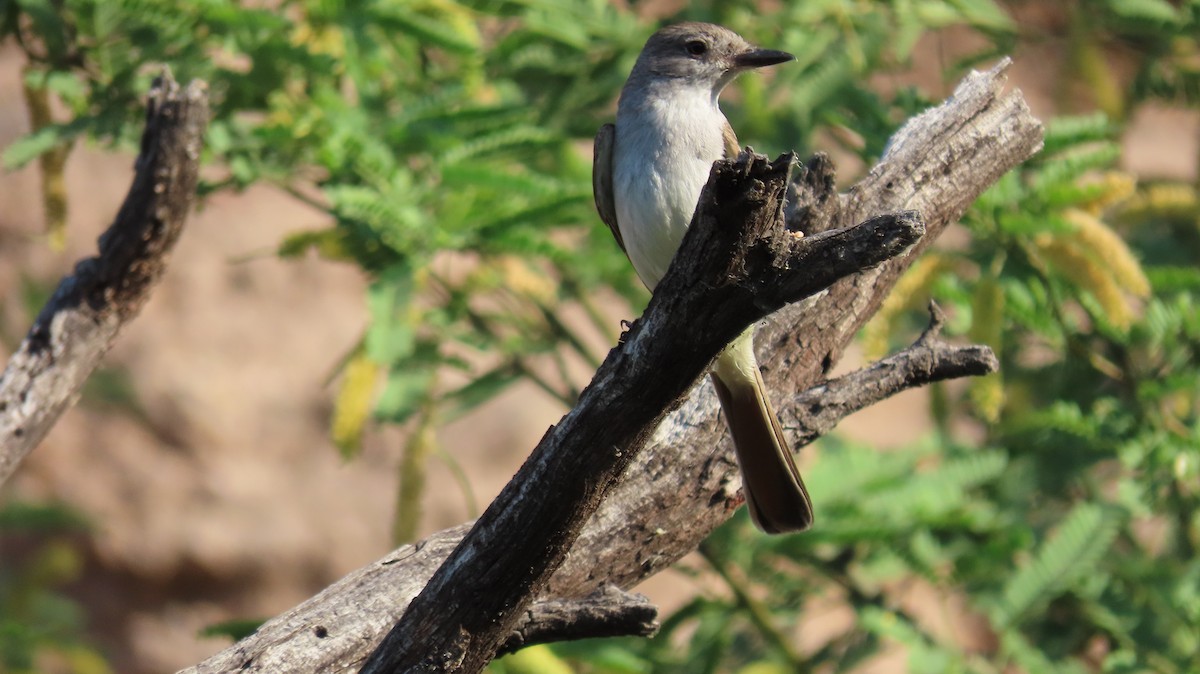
700	54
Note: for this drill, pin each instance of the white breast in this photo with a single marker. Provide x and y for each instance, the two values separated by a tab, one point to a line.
661	161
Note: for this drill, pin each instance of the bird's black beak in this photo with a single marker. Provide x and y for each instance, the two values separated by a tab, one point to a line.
758	58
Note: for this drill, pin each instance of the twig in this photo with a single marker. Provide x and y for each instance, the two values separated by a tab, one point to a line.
818	409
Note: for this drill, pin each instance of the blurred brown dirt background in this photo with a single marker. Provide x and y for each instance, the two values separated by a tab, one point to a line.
215	493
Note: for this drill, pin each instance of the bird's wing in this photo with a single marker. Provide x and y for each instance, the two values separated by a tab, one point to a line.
602	179
732	149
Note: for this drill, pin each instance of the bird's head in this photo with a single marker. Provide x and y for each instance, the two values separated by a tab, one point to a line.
701	54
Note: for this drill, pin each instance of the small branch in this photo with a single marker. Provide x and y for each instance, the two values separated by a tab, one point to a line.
80	322
817	410
608	612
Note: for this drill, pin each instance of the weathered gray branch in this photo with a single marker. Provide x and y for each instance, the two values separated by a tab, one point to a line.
685	482
79	323
817	410
607	612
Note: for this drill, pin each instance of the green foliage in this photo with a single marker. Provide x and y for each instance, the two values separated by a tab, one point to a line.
1059	563
444	141
1093	436
1163	37
234	630
441	138
40	628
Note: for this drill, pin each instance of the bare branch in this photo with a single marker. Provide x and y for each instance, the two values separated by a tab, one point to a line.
608	612
817	410
79	323
685	481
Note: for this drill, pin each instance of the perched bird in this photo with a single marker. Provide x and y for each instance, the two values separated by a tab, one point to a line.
647	176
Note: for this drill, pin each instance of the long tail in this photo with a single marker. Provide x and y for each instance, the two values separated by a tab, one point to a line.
775	492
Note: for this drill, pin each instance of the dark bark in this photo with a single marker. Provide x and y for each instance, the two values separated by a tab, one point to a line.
608	612
79	323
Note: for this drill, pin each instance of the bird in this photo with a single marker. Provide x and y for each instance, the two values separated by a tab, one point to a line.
647	174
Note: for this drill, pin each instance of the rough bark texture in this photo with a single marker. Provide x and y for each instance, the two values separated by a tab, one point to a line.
607	612
684	482
79	323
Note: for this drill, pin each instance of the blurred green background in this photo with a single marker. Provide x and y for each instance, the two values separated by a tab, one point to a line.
1045	520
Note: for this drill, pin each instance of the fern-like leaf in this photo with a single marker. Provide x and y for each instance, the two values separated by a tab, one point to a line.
1071	551
1062	132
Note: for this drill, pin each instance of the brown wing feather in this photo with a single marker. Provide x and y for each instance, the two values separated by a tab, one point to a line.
602	179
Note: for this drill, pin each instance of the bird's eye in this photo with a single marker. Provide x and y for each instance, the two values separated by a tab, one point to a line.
696	47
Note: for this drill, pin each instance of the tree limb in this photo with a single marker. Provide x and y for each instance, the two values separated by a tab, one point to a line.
817	410
79	323
607	612
685	482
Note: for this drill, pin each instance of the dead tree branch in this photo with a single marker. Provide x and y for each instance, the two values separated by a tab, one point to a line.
817	410
608	612
79	323
684	482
